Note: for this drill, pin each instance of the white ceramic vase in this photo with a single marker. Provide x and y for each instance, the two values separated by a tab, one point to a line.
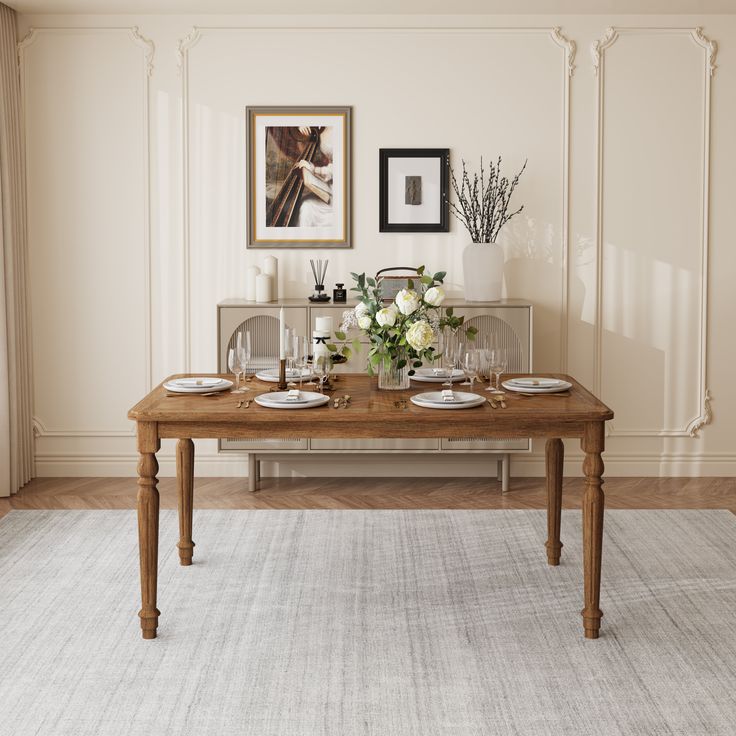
483	272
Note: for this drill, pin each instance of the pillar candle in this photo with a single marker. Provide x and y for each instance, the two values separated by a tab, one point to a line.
282	327
250	282
271	268
323	324
263	288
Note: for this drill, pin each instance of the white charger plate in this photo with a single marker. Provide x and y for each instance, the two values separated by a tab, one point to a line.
272	375
434	400
277	400
220	384
536	382
428	375
562	386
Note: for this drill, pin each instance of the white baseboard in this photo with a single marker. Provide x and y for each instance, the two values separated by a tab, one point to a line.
464	466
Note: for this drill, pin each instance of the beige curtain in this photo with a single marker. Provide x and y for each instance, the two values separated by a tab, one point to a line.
16	427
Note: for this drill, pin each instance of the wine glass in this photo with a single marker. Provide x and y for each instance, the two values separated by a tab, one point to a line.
458	357
233	364
290	354
447	359
471	363
497	360
243	355
322	369
301	356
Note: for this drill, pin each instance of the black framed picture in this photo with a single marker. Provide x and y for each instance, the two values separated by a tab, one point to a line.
413	190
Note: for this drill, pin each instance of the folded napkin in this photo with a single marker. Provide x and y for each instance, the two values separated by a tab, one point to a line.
447	395
439	371
293	395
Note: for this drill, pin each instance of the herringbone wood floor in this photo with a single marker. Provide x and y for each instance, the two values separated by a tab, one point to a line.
375	493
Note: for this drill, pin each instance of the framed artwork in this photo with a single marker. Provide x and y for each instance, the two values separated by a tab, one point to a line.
413	190
298	163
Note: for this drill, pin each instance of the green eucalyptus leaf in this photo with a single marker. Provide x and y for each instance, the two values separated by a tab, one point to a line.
371	282
440	276
449	311
410	283
340	335
332	348
420	270
426	280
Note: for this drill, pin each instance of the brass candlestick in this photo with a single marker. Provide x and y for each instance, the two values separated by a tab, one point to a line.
282	374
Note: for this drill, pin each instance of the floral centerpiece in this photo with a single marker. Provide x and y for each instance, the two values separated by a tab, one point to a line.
401	333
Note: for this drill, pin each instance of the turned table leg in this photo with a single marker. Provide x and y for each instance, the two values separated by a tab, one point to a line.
185	483
593	501
554	456
148	504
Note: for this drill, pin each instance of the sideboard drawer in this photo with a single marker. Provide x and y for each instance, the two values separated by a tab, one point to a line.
463	444
263	445
369	444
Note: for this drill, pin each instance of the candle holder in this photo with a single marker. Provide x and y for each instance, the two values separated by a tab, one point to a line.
282	375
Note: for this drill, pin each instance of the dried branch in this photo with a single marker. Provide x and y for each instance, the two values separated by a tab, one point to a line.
483	203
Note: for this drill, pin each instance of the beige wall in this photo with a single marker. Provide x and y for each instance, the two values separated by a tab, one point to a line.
137	207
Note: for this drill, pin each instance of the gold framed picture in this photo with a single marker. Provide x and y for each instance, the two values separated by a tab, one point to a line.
298	164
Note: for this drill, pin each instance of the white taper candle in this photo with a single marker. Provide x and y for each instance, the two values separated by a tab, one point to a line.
282	328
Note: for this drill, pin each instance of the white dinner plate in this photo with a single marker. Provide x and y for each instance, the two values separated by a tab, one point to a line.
563	386
220	385
277	400
536	382
272	375
430	375
434	400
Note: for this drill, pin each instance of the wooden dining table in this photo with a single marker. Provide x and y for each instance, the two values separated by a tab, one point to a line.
370	413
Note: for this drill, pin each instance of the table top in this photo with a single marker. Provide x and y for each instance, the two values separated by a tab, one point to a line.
371	413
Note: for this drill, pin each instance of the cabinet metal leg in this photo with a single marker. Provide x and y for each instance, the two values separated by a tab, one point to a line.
252	472
505	473
499	471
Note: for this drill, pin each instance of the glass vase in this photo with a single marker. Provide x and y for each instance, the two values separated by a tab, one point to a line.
391	378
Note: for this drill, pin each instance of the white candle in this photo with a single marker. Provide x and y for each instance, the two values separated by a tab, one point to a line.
271	268
323	324
282	328
263	288
250	282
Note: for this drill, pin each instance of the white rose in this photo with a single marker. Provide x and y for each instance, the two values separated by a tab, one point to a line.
434	296
420	335
386	317
407	301
364	321
360	309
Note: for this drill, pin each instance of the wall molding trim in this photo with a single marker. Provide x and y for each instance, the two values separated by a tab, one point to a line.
40	430
554	33
710	48
148	49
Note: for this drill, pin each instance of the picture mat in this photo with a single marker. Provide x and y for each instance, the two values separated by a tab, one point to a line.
338	231
430	210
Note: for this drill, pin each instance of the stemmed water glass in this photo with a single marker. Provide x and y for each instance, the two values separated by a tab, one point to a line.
290	354
233	364
497	360
471	363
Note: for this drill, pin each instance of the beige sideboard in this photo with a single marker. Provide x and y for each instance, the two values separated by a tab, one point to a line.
510	320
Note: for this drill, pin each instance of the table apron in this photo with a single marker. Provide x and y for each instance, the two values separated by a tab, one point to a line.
364	430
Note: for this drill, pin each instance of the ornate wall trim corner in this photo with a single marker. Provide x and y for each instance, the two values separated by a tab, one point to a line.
711	48
706	418
570	46
147	45
184	45
600	45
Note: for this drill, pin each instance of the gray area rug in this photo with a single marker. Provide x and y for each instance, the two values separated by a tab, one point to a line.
393	623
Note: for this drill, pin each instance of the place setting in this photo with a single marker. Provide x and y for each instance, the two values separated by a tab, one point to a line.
197	386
